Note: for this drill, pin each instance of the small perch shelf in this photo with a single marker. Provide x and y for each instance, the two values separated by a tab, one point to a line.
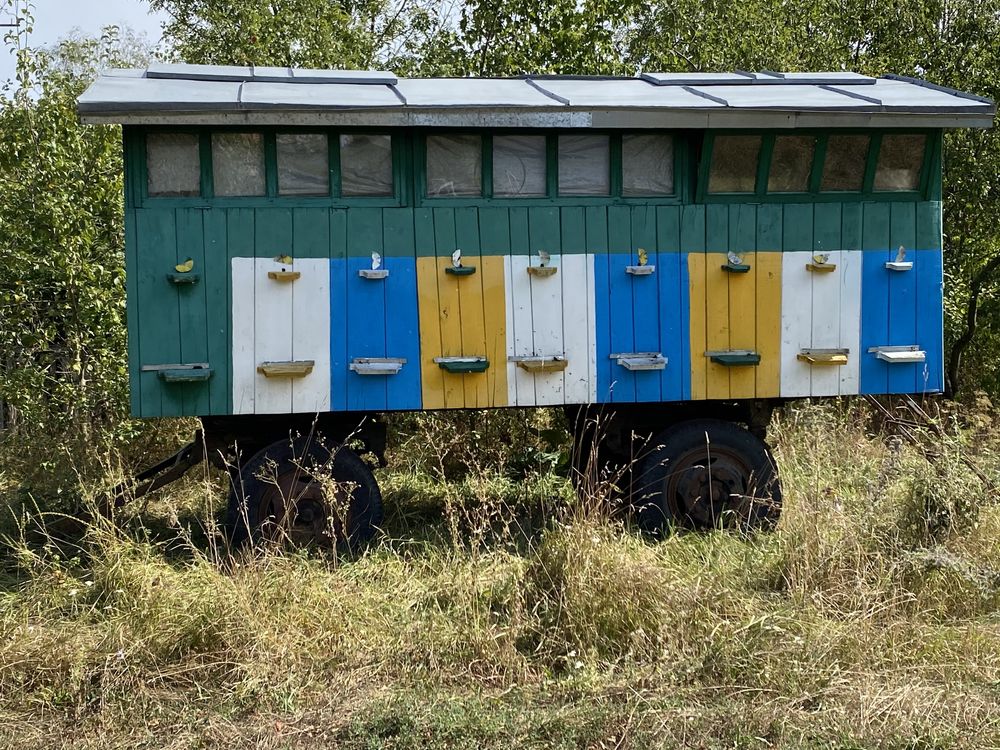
462	365
460	270
640	270
195	372
373	274
899	265
284	276
377	365
183	278
287	369
821	267
555	363
735	358
823	356
542	271
639	361
899	354
736	267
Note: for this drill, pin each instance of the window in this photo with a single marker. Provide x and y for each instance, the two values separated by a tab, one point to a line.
365	165
734	164
647	165
900	159
303	164
791	164
454	165
238	164
519	165
584	165
173	166
846	158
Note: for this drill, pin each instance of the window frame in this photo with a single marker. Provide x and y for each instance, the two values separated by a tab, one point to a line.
932	157
552	197
135	144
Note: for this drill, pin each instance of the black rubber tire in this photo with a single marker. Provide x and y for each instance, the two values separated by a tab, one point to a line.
674	477
248	516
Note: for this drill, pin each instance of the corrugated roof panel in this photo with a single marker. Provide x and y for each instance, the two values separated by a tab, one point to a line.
199	72
912	97
625	93
268	73
776	96
472	92
331	95
118	94
831	78
696	79
374	77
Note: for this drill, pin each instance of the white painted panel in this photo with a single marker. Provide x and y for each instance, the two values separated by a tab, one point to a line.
311	333
520	303
796	323
850	320
508	284
272	336
244	366
826	289
579	377
547	324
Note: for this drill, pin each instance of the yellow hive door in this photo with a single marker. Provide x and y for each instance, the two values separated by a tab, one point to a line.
462	316
735	312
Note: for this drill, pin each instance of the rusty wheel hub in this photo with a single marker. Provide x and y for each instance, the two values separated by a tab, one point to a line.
709	490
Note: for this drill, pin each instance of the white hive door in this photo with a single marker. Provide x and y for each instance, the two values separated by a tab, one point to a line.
281	335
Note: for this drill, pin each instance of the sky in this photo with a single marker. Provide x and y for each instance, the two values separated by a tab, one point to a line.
55	19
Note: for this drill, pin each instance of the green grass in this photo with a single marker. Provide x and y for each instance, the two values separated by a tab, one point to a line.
499	612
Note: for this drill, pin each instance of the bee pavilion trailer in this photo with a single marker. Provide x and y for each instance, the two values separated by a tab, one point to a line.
676	252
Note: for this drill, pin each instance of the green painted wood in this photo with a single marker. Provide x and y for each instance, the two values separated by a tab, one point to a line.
850	226
423	232
769	228
444	232
519	235
668	229
338	234
743	228
200	375
543	230
828	224
798	228
273	235
875	227
928	226
597	229
573	230
364	232
158	315
693	229
132	313
619	229
310	233
717	228
218	296
193	307
644	229
397	232
902	226
494	231
467	230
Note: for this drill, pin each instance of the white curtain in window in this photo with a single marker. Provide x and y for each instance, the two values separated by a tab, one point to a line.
519	165
303	164
365	164
173	166
238	163
454	165
584	165
647	165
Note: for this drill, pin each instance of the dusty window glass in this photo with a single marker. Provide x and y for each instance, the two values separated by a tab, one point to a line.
303	164
846	157
238	163
791	164
900	160
173	167
647	165
734	164
454	165
519	165
584	165
365	164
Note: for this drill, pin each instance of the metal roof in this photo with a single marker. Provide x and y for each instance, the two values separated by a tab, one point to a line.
251	95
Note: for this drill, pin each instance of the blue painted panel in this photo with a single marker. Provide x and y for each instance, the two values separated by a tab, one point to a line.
366	335
402	337
902	325
930	319
602	319
338	334
675	327
621	325
874	319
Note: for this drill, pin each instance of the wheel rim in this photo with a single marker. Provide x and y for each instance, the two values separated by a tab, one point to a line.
296	509
707	490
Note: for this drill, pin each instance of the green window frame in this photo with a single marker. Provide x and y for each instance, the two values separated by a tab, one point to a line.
681	194
928	187
138	195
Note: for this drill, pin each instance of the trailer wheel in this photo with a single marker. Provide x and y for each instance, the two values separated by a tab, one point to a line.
304	493
707	474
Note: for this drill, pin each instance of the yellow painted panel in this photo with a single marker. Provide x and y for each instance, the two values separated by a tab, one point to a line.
769	324
495	319
452	336
470	296
743	327
431	376
698	336
717	323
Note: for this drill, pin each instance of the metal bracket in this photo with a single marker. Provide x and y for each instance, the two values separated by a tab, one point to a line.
638	361
554	363
286	369
377	365
824	356
899	354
